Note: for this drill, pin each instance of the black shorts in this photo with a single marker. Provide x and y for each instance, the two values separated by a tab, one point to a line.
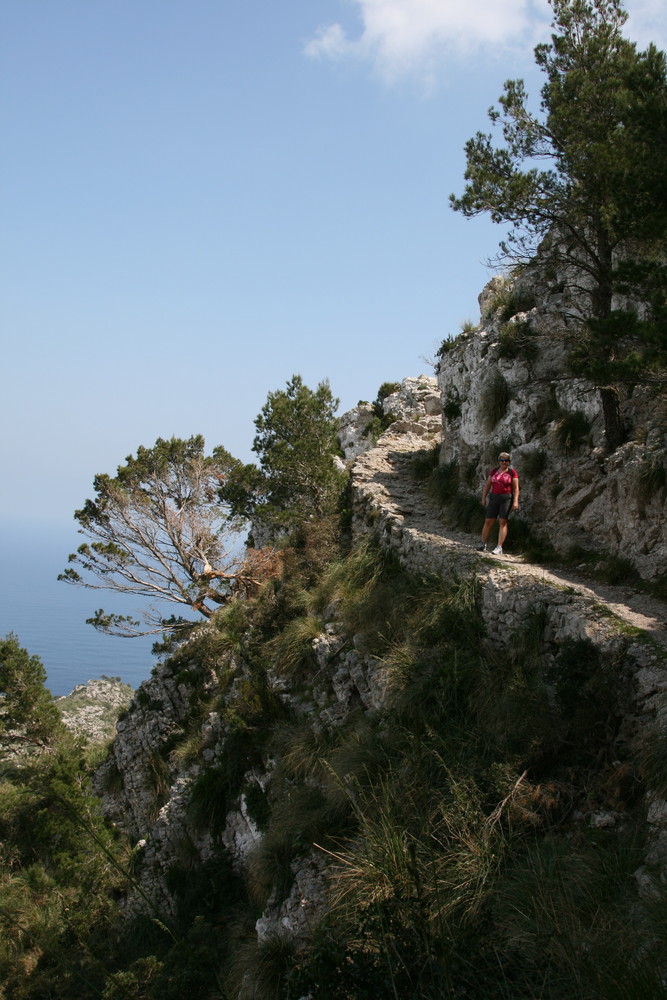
499	505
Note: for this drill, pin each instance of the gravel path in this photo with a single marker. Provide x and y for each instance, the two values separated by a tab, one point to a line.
384	476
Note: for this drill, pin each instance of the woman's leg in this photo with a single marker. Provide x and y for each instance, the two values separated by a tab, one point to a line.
502	530
486	530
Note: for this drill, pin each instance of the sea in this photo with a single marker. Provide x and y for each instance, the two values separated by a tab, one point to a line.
49	616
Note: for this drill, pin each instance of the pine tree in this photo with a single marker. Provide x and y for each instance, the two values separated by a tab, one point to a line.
297	479
157	530
583	180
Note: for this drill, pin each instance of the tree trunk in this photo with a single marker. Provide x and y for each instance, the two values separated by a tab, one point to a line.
611	409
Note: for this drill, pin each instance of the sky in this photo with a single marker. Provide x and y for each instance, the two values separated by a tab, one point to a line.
201	198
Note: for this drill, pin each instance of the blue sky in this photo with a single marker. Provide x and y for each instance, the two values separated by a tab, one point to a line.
202	198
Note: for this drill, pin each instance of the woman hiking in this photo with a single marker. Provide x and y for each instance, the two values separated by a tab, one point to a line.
499	496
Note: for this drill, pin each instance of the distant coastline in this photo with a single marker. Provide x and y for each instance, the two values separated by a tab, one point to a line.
49	617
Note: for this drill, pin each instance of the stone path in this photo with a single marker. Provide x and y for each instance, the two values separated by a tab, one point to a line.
389	498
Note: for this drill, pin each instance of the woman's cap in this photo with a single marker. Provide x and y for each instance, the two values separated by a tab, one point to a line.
504	457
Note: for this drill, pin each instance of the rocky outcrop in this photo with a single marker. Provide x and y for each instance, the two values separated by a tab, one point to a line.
414	407
505	386
91	710
148	790
135	780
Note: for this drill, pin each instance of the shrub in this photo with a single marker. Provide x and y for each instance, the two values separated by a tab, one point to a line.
651	478
517	340
387	389
616	570
509	301
452	406
572	430
448	344
495	400
493	448
293	648
444	482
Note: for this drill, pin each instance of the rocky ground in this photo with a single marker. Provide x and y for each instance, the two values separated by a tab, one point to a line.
384	477
91	710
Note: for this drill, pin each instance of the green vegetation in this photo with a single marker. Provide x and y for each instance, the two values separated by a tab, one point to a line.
572	431
166	527
296	480
517	340
495	399
598	199
454	821
380	420
60	866
651	478
452	406
481	824
510	300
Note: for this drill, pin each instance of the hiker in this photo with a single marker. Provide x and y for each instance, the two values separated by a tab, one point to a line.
502	491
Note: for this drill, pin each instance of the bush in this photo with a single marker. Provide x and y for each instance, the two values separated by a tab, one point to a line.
510	301
495	400
452	406
387	389
572	431
517	340
651	478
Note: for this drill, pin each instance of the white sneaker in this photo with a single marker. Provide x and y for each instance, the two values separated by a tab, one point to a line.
498	551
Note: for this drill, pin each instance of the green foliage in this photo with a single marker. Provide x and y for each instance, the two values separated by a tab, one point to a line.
572	431
387	389
652	759
517	340
448	344
426	461
495	399
380	420
60	868
293	648
511	300
452	406
296	442
651	478
28	714
616	570
584	179
457	863
532	544
155	531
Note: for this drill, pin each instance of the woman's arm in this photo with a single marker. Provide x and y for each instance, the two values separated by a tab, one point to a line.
487	487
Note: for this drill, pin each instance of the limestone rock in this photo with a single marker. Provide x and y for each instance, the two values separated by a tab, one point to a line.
353	431
519	397
91	710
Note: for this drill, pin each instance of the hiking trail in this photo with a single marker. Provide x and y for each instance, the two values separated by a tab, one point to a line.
390	499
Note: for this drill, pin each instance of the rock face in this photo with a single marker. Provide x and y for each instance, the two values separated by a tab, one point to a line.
91	710
353	431
505	386
414	406
148	790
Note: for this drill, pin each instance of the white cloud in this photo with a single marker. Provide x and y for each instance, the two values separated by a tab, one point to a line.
647	22
401	37
415	37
